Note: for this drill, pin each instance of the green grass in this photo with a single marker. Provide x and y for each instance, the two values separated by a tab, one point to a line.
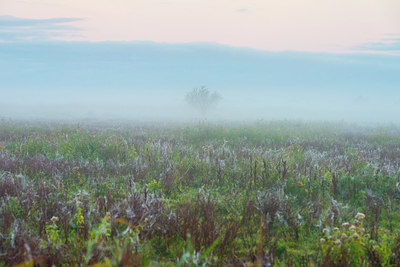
200	194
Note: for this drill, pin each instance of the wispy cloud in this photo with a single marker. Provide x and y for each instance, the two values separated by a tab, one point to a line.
390	45
17	29
242	10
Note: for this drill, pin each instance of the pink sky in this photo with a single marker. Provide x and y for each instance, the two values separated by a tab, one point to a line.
306	25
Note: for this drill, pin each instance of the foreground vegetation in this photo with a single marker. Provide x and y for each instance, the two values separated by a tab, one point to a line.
267	193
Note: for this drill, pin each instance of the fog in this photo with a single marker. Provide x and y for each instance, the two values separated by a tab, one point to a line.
148	81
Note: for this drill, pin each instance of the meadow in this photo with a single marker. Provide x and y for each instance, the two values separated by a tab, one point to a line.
267	193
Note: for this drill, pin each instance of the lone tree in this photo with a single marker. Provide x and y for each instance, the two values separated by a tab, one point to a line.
202	99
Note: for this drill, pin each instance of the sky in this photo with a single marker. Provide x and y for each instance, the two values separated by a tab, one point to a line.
307	25
310	59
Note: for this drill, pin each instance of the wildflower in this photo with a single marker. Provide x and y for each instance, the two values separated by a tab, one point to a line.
337	242
343	236
54	219
355	236
335	229
330	237
356	222
352	228
361	230
360	216
325	231
345	225
322	240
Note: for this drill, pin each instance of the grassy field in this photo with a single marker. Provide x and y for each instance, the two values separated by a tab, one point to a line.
280	193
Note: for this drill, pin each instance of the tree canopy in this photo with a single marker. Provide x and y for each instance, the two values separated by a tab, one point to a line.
202	99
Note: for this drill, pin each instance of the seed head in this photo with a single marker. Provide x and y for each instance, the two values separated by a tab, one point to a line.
54	219
345	225
343	237
360	216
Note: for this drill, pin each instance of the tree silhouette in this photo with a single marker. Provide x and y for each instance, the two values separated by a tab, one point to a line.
202	99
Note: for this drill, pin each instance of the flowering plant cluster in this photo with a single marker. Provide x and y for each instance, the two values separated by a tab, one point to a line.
346	244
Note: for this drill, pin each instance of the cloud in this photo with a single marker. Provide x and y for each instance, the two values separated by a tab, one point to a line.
17	29
242	10
391	45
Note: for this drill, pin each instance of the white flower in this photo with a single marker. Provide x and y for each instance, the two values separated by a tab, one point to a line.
54	219
345	225
360	216
337	242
